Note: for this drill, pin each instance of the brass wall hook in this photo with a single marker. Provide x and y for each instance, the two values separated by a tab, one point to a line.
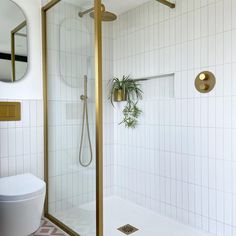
205	82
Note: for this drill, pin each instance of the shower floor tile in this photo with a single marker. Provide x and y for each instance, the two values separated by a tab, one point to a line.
118	213
48	229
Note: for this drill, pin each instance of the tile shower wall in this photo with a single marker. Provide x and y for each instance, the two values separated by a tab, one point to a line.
181	160
108	111
71	56
21	142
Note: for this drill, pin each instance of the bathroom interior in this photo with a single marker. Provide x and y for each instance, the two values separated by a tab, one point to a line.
118	118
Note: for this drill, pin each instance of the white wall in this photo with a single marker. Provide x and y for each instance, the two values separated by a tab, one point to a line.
21	142
30	87
180	161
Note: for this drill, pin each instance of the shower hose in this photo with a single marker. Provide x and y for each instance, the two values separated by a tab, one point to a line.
85	122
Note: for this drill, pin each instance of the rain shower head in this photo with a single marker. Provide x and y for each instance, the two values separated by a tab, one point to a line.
106	15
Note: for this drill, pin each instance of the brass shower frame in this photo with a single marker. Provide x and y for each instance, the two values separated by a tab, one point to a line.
99	119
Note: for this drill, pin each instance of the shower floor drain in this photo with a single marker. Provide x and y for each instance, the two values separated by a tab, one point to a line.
127	229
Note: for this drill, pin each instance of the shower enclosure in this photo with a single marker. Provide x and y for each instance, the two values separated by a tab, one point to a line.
175	173
73	117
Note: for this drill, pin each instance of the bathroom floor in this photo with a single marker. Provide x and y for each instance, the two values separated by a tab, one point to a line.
117	213
48	229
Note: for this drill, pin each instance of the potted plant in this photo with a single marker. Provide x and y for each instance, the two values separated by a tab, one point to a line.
127	90
117	93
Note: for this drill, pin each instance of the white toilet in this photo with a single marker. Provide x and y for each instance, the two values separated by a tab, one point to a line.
21	204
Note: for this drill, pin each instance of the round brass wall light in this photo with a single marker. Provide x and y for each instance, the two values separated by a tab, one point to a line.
205	82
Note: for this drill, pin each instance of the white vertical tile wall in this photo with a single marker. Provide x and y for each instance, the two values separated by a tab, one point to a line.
180	161
21	142
108	111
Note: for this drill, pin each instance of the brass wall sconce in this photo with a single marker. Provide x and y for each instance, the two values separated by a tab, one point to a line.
205	82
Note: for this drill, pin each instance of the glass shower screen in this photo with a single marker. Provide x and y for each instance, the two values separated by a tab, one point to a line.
71	117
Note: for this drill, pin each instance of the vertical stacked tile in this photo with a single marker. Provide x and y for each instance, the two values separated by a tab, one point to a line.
180	161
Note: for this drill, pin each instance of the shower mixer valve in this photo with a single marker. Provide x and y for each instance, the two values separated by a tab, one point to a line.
205	82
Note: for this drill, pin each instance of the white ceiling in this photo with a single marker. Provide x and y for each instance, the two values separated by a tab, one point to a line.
116	6
120	6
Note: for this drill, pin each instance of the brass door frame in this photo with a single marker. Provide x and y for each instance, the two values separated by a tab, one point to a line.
99	118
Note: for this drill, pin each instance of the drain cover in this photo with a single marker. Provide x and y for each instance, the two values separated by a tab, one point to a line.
127	229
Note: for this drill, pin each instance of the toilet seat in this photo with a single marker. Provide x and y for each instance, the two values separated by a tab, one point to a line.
20	187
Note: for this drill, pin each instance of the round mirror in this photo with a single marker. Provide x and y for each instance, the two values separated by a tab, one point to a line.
13	42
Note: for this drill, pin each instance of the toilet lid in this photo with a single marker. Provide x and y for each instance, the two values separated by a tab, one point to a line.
20	187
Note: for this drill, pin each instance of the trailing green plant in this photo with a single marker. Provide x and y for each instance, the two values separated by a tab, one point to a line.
131	94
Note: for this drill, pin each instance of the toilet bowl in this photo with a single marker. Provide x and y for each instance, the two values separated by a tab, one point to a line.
21	204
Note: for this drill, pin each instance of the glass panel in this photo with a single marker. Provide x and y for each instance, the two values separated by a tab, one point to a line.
71	116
